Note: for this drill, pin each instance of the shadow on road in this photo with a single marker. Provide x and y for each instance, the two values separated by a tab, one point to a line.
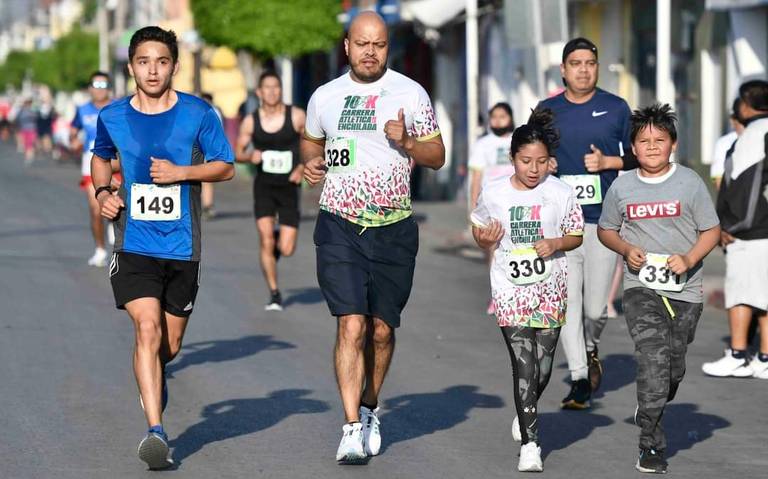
224	350
239	417
685	426
304	296
560	429
619	371
414	415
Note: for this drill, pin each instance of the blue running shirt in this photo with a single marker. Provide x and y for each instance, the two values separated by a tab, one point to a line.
190	133
603	121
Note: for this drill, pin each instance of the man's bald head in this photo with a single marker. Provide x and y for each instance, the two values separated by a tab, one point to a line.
367	21
367	46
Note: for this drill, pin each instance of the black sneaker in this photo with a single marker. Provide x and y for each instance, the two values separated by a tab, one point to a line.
579	396
275	302
595	369
651	460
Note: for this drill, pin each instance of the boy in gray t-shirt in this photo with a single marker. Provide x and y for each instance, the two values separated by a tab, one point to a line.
661	219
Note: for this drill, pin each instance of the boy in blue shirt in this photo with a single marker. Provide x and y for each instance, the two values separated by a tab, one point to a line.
168	142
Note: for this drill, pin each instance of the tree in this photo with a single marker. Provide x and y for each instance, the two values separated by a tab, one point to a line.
269	28
66	66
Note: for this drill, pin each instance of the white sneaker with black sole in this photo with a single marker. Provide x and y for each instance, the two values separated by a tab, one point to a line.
371	431
728	366
351	450
530	458
153	450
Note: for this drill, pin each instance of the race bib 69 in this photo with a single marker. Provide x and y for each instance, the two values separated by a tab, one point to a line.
276	162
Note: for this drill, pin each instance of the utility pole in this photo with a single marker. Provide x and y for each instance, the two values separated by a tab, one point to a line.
103	23
472	67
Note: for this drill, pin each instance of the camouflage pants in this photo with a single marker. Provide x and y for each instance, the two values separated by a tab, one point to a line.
531	351
661	333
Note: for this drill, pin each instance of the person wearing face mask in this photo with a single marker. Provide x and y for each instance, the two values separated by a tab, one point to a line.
489	158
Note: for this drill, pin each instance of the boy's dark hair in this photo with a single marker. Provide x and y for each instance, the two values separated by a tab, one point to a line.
755	94
659	116
735	110
539	129
268	74
98	73
154	34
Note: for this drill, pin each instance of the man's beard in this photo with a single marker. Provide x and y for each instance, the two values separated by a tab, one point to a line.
369	78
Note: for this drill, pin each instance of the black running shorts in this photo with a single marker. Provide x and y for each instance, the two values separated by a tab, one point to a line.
280	200
366	271
173	282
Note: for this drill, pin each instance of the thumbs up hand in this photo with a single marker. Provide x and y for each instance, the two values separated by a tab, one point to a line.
397	133
594	161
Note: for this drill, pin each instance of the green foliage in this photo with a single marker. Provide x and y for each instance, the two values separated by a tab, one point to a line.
269	28
15	68
89	10
65	66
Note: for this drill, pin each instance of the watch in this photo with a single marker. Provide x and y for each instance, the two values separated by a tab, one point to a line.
100	189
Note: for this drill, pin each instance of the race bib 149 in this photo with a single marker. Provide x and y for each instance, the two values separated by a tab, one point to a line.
155	202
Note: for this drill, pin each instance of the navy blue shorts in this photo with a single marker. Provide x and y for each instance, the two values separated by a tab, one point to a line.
366	271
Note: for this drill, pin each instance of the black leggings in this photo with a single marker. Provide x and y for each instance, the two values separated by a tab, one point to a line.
531	351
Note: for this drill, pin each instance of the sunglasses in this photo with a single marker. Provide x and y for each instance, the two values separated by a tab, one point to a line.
99	84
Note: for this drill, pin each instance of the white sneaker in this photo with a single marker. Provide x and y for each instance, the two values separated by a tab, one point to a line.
111	233
759	368
351	446
99	258
530	458
728	366
516	434
371	432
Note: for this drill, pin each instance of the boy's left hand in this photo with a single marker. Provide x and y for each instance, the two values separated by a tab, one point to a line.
679	264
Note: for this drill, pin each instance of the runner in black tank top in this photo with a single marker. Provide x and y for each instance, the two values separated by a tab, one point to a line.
273	133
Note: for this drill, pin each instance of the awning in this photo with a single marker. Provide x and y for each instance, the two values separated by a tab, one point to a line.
734	4
431	13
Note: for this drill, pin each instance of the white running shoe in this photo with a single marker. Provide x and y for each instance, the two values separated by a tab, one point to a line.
728	366
153	450
371	432
516	434
351	446
99	258
759	368
530	458
111	233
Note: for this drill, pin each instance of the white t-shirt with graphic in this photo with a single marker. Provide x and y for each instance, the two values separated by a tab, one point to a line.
368	178
490	154
527	290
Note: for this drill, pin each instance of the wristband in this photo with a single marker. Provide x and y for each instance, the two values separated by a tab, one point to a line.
100	189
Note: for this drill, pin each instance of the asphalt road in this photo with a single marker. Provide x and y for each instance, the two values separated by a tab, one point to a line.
253	393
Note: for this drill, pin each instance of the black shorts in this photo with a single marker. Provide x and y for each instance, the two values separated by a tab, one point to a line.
173	282
281	200
366	271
